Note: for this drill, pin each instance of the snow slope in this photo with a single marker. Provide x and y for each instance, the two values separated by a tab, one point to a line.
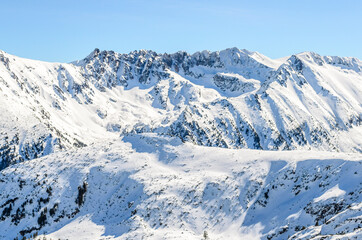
152	187
232	98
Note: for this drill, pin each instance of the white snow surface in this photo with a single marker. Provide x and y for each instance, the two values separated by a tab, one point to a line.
333	192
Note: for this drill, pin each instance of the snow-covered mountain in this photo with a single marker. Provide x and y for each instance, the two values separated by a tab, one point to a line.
100	132
232	98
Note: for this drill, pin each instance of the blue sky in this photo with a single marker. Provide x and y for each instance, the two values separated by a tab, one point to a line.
64	30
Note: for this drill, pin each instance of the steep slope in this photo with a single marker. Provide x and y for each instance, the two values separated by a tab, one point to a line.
153	187
232	98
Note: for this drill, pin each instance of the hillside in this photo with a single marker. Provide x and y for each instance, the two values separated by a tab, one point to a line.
149	187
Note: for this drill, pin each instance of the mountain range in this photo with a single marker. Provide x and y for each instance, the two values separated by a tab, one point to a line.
226	144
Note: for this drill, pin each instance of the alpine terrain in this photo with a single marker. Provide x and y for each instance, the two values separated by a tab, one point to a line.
214	145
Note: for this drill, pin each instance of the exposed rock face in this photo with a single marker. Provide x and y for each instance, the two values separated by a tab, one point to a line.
232	98
233	83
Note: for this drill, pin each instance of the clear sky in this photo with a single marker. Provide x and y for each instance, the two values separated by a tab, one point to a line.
67	30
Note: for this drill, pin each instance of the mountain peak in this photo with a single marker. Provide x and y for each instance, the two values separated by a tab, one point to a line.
93	54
